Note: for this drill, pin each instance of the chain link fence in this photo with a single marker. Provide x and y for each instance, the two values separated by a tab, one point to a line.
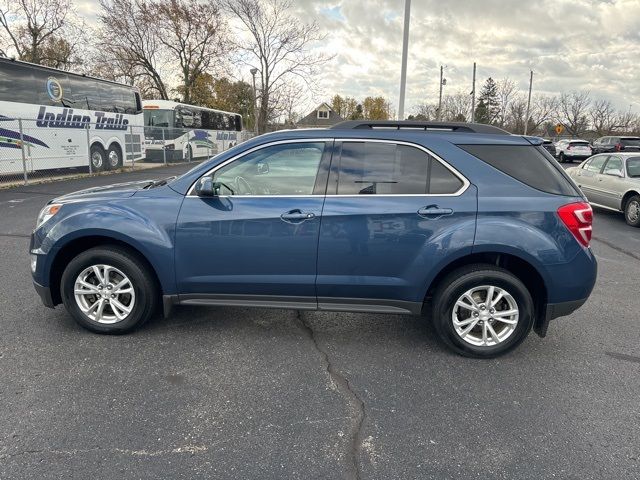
51	149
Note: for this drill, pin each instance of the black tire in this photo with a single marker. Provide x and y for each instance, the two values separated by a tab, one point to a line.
98	158
561	157
142	280
632	217
455	284
114	157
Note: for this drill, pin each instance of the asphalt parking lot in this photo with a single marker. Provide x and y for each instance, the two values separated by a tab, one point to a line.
253	393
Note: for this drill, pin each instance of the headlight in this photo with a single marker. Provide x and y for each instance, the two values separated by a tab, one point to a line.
46	213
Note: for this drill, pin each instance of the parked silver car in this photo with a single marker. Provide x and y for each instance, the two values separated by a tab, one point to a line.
612	181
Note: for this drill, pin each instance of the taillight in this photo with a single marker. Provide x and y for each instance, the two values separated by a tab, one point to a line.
578	218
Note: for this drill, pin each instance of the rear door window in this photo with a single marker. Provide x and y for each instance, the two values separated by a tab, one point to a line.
374	168
630	142
530	165
613	167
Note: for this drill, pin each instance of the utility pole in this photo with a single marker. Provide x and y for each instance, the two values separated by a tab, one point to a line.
405	48
442	83
473	95
255	101
526	120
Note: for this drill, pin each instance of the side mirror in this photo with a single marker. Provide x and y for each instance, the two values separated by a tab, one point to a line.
262	168
205	187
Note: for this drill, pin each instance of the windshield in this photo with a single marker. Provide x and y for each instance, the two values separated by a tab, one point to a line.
158	118
630	142
633	167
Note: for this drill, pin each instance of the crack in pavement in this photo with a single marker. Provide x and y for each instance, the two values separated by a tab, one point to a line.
355	402
617	248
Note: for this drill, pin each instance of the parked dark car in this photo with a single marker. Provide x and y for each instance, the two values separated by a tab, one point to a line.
479	230
616	144
549	146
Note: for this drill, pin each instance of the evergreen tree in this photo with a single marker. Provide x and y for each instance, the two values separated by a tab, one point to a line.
489	99
482	113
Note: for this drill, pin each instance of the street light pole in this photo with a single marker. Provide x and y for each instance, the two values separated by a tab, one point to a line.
255	101
405	47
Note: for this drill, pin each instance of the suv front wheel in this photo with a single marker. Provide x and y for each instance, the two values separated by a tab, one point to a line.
108	290
482	311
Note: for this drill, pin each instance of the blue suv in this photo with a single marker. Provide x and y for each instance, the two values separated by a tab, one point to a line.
477	229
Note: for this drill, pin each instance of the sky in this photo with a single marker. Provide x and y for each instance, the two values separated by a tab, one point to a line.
569	44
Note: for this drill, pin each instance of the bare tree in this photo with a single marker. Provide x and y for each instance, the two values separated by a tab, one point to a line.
424	112
517	110
603	117
506	90
130	42
456	107
193	33
573	112
626	122
544	108
277	44
38	31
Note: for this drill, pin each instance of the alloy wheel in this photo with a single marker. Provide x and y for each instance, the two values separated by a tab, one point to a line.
104	294
485	316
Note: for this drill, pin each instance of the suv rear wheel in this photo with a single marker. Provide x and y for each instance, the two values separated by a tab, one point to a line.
108	290
482	311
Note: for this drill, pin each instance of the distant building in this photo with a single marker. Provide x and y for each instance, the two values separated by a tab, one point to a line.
321	116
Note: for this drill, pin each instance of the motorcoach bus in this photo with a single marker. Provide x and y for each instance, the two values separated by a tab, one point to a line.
52	119
180	132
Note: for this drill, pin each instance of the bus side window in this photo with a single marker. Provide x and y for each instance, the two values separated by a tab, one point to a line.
238	123
84	94
17	83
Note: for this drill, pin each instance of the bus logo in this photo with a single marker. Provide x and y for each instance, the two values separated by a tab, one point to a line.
54	89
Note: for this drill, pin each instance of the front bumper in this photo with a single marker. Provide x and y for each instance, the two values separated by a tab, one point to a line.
45	295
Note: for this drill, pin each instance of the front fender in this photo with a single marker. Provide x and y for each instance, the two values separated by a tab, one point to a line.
147	224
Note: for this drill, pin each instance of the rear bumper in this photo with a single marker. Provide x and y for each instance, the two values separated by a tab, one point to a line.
555	310
45	295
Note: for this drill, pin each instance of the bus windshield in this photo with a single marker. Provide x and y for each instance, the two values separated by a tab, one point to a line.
159	118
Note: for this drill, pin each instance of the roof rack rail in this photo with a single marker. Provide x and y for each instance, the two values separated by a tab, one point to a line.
461	127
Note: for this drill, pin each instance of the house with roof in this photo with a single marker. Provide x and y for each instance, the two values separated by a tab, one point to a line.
322	116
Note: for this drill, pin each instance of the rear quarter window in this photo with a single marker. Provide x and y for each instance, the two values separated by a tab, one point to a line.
530	165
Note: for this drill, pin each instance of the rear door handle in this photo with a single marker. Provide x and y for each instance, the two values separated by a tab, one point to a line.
432	211
296	216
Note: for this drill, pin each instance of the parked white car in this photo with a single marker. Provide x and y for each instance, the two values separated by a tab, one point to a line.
569	150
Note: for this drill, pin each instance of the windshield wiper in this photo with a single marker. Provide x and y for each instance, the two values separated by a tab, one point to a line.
159	183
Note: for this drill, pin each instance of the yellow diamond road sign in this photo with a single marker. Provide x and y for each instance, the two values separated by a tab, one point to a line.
559	129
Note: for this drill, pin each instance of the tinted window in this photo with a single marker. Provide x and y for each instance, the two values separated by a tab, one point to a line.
528	164
442	180
596	163
580	144
382	168
613	166
633	166
630	142
288	169
85	93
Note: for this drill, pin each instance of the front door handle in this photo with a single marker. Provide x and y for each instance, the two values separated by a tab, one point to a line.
432	211
296	216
